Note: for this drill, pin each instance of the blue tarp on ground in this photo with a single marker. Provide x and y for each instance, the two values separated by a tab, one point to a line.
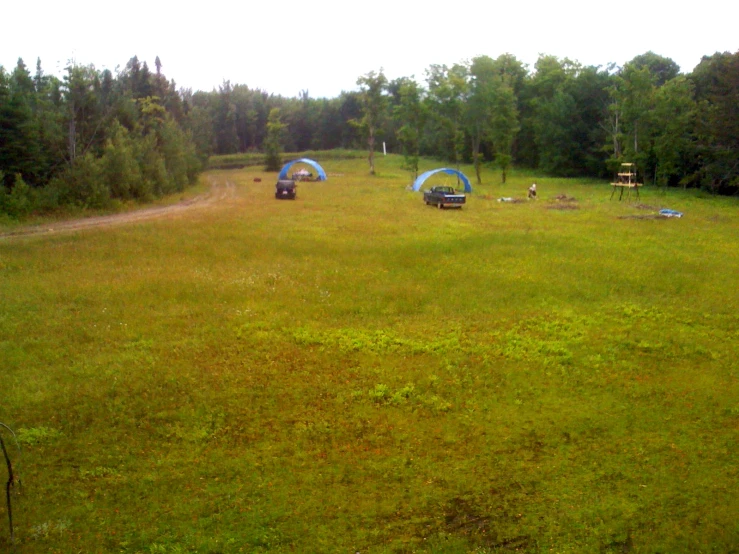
313	164
670	213
424	176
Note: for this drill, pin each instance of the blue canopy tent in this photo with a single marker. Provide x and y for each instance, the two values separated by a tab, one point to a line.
424	176
313	164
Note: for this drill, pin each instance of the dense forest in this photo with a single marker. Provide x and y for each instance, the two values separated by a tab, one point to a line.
92	138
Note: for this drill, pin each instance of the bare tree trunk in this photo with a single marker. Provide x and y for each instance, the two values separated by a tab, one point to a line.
636	136
371	143
611	127
476	156
72	136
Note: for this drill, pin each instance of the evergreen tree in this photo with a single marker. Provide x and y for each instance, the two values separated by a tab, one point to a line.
20	148
85	111
227	139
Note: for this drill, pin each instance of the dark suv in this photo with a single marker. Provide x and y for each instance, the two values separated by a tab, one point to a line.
285	190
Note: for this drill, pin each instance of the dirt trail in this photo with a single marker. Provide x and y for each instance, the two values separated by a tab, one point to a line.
218	193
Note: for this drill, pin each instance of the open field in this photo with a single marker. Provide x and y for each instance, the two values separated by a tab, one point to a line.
354	371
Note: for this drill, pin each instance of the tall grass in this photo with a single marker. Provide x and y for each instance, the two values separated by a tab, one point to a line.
355	371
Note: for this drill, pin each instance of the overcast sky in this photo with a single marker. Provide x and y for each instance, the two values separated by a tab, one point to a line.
322	46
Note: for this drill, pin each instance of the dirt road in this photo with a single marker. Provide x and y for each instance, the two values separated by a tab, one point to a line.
219	191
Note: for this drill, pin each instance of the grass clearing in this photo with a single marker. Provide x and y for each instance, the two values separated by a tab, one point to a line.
355	371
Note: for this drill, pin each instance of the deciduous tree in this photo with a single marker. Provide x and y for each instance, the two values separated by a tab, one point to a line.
480	105
372	95
716	81
410	117
673	122
504	125
448	89
273	142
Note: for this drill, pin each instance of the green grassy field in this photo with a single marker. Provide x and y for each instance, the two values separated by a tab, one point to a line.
357	372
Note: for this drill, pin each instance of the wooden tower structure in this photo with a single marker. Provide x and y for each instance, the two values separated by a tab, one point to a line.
626	179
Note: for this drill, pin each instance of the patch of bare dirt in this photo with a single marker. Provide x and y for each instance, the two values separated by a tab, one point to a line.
218	193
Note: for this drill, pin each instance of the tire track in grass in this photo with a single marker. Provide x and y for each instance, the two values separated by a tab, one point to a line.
218	193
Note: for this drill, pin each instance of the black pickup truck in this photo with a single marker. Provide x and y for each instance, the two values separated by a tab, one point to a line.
443	197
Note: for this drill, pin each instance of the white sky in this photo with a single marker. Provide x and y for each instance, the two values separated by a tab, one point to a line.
285	46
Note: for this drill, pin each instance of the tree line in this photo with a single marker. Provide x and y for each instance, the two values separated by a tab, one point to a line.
92	138
560	117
